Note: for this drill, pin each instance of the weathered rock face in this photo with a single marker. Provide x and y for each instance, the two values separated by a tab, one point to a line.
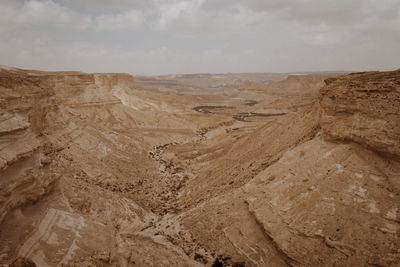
97	172
320	203
306	85
363	108
327	204
33	117
69	169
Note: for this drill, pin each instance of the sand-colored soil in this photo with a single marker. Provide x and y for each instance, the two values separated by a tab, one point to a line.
199	170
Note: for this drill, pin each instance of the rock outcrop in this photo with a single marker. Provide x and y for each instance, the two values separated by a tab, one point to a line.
319	203
96	171
71	167
363	108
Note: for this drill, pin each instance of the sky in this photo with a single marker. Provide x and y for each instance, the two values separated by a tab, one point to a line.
200	36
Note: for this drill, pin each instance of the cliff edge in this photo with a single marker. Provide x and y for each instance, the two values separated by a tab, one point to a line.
363	108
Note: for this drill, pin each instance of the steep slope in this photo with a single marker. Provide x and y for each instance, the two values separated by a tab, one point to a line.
363	108
306	85
97	171
242	159
319	203
74	163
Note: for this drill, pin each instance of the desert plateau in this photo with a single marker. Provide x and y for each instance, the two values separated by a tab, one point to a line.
199	133
199	170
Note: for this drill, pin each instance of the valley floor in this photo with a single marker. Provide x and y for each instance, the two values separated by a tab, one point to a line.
235	170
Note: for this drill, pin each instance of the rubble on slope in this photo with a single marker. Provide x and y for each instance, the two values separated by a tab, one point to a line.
95	170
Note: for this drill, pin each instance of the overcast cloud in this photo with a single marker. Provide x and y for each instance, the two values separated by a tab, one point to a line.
191	36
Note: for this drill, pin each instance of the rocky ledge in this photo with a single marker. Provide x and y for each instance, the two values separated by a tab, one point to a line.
363	108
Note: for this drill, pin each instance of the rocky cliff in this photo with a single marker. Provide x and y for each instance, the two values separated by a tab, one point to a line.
96	171
363	108
35	112
73	157
325	196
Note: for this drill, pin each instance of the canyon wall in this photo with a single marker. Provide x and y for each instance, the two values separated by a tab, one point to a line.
97	171
363	108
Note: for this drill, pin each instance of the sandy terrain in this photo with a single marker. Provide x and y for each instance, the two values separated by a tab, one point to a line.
199	170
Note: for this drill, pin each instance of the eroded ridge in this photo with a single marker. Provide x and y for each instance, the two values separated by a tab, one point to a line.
104	170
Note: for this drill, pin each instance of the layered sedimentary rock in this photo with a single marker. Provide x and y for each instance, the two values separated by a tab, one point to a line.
319	203
96	171
72	170
306	85
363	108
